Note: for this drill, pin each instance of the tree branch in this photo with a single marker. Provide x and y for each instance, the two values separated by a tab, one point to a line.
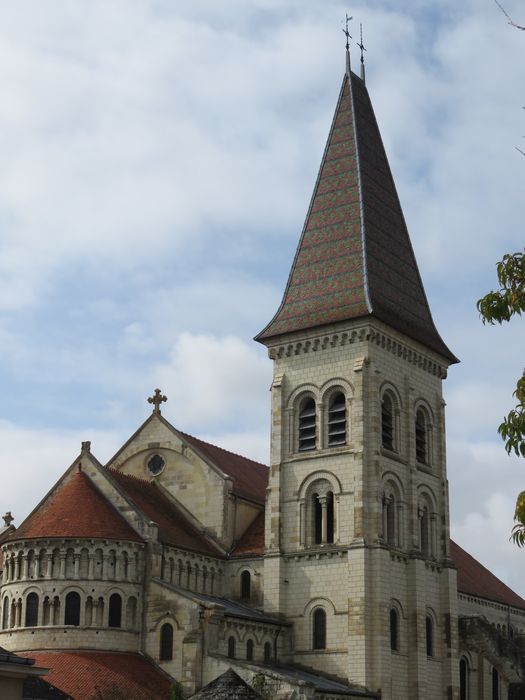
509	18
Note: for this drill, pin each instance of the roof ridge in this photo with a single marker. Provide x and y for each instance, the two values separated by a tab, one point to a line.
142	480
223	449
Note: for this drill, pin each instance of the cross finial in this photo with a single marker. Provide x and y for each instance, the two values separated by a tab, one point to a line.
156	400
346	32
7	518
362	47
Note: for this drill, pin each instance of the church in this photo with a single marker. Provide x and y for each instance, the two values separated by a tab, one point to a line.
328	574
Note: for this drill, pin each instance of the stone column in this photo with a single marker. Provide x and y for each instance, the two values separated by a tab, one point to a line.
24	566
76	565
62	573
49	565
91	565
324	519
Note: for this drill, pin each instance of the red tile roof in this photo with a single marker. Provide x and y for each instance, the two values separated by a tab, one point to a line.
82	674
250	478
252	542
174	527
474	579
76	508
355	258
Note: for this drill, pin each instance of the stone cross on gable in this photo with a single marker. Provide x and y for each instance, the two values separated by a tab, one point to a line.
7	518
156	400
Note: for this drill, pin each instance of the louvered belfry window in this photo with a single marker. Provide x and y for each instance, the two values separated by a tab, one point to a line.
307	425
337	420
387	422
421	437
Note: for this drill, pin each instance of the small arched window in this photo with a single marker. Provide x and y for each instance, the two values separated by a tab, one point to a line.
387	422
323	518
246	585
421	437
429	631
249	650
319	629
231	647
72	612
307	425
31	610
495	684
115	611
5	613
337	420
166	642
267	653
394	630
463	680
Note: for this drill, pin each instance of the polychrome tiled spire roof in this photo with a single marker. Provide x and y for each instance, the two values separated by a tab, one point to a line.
355	258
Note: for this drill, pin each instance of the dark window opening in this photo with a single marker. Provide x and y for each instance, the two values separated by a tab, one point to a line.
387	422
318	519
246	584
495	684
390	508
249	650
5	614
424	531
307	425
267	653
394	630
463	680
429	636
330	517
72	612
421	438
231	647
115	611
31	610
166	642
337	421
319	629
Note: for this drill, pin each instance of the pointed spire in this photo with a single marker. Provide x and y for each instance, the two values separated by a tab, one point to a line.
362	47
355	258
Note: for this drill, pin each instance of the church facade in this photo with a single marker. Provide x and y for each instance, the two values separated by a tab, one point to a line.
330	573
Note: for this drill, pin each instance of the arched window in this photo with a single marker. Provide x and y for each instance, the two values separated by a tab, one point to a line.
115	610
421	437
394	630
267	653
307	425
246	584
131	612
323	517
31	610
319	629
424	531
495	684
387	422
463	680
429	630
166	642
249	650
231	647
72	612
5	613
337	420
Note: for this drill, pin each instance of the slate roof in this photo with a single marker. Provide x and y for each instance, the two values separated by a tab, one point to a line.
227	685
80	674
76	508
234	609
250	478
252	541
320	683
476	580
174	527
355	258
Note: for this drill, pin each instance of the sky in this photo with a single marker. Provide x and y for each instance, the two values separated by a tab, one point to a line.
157	163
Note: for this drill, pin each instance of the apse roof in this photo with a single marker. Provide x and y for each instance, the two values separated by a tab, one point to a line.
75	508
355	258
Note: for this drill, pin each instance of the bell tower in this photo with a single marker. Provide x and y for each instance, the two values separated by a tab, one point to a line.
357	520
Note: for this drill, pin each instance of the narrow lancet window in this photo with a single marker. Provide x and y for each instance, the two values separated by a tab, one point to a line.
394	630
319	629
421	438
166	642
387	422
31	610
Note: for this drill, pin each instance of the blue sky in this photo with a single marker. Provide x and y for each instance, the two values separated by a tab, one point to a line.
158	160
